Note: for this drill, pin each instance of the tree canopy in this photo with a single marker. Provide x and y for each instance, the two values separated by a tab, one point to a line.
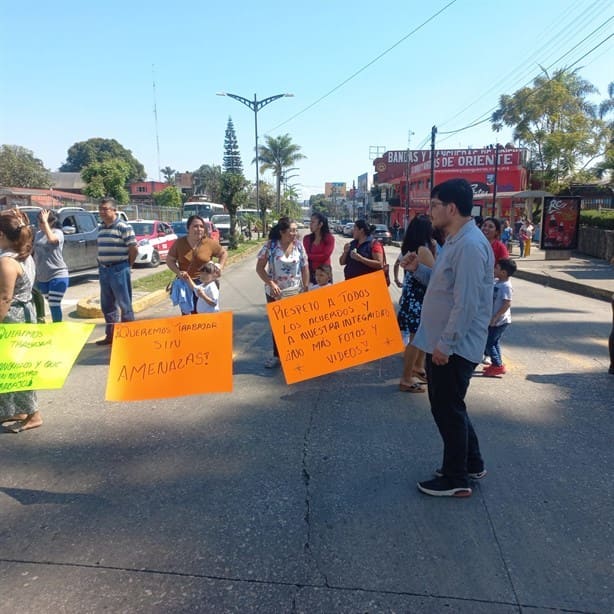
20	169
232	156
168	197
106	179
555	122
278	154
84	153
207	182
233	195
168	174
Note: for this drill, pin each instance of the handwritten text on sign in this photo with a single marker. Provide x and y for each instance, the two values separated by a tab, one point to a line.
171	357
335	327
39	356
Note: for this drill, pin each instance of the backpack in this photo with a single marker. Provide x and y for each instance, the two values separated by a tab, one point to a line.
385	266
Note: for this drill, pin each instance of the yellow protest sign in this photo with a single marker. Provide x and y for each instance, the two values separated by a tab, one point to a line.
335	327
39	356
171	357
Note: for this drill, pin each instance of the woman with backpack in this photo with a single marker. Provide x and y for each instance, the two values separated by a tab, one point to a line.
363	254
319	244
16	307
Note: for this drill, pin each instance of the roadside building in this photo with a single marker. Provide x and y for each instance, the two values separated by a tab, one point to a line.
403	179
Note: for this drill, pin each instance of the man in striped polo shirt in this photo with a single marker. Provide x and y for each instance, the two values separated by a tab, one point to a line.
117	252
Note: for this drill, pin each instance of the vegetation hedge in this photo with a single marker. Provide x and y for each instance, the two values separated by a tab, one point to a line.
598	219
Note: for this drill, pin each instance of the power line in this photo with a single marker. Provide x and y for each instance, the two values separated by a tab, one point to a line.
355	74
481	121
550	45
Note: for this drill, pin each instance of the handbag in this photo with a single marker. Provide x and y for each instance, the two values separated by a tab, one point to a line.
290	291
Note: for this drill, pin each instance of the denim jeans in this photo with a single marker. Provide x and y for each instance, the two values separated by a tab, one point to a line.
447	388
115	294
493	349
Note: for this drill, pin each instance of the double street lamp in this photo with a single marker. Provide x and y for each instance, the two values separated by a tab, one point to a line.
255	105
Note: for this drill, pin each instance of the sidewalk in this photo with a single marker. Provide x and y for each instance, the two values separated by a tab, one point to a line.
580	274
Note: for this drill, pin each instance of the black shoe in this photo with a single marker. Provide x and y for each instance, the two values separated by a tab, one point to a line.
105	341
478	475
442	487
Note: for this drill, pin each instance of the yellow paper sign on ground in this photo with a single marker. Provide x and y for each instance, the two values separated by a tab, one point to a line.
171	357
335	327
39	356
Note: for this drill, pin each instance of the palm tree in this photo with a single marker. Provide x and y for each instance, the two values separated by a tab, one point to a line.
169	174
278	154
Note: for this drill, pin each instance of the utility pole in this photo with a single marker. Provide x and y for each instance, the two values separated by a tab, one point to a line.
494	191
407	180
433	133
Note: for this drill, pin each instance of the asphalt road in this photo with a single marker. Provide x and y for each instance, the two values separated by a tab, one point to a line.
302	498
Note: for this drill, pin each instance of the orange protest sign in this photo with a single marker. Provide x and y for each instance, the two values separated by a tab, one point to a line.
335	327
171	357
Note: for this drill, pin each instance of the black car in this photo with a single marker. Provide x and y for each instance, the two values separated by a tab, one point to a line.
382	234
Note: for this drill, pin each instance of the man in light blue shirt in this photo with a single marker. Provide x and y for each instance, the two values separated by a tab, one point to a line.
453	329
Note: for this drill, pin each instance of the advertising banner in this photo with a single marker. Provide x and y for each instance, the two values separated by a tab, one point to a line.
335	327
560	223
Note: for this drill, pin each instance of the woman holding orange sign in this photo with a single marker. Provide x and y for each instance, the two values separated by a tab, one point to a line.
283	267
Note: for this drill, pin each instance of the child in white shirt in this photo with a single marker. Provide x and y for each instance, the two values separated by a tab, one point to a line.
501	316
207	291
324	277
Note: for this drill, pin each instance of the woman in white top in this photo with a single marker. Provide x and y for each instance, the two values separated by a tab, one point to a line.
283	267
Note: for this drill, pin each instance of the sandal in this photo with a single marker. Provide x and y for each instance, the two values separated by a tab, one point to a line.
421	377
272	362
415	387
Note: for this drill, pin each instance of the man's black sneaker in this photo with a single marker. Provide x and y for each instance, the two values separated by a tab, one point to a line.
438	473
105	341
442	487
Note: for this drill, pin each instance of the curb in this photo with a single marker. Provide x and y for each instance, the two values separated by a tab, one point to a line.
89	308
565	285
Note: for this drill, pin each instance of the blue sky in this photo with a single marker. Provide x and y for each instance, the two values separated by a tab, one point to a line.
70	71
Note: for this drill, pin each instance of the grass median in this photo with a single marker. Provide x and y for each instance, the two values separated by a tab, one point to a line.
160	279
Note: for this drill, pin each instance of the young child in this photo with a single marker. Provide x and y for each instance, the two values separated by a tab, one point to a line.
324	277
501	315
207	292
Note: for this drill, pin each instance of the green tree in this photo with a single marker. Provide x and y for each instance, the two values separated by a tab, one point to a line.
84	153
208	182
556	123
233	195
20	169
168	197
169	174
232	156
278	154
106	179
606	114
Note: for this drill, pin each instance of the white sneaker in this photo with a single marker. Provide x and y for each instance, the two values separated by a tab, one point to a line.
486	360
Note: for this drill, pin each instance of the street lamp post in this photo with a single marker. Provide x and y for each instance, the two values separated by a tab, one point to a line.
255	105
